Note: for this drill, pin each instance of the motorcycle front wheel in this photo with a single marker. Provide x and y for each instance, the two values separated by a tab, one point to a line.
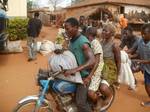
30	105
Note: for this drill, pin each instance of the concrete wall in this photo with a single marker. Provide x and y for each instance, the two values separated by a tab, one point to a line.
17	8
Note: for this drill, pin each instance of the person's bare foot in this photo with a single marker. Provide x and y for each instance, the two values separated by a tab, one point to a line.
132	88
146	104
30	59
117	85
98	106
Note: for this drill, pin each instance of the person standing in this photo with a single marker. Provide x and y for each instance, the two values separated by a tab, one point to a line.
131	42
80	47
33	30
3	18
105	20
111	51
143	53
129	39
123	22
82	25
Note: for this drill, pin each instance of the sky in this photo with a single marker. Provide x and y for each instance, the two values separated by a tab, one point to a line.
43	3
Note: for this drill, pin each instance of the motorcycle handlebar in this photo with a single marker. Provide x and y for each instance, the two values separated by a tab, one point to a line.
58	72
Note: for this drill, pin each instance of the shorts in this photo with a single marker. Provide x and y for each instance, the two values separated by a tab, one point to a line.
146	78
63	87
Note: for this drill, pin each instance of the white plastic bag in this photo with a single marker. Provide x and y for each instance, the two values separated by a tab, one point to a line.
126	75
38	46
14	47
67	61
46	47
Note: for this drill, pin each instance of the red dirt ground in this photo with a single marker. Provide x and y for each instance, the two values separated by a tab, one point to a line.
17	80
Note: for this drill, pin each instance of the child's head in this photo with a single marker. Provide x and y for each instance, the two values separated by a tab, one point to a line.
91	33
108	31
127	32
145	31
82	20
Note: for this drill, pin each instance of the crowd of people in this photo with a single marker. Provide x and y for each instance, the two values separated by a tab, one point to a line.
101	60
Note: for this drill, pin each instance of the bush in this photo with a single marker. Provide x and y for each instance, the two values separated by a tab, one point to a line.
17	28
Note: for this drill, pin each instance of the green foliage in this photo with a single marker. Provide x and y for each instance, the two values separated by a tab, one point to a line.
29	4
59	39
17	28
76	1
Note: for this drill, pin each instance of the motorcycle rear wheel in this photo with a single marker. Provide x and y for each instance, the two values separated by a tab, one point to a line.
106	107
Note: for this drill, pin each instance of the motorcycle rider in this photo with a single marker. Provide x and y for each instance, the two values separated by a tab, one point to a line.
81	48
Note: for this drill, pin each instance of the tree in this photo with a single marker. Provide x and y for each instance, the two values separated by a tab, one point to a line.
76	1
29	5
54	3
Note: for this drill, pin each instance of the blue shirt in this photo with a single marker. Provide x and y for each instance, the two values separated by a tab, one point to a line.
2	13
2	20
144	52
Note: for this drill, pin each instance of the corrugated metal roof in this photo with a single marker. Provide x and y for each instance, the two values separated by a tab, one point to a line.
129	2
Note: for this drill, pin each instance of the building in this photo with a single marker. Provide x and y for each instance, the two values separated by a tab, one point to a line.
48	17
17	8
112	7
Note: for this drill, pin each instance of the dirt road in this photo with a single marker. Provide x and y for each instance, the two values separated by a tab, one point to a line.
17	80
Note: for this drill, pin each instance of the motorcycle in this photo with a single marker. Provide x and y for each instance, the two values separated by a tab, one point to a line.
65	101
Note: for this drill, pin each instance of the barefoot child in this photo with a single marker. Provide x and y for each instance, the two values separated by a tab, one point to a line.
143	52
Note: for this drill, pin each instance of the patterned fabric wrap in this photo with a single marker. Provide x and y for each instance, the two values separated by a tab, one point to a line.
110	71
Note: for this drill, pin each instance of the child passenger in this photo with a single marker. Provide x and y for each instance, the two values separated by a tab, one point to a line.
95	75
